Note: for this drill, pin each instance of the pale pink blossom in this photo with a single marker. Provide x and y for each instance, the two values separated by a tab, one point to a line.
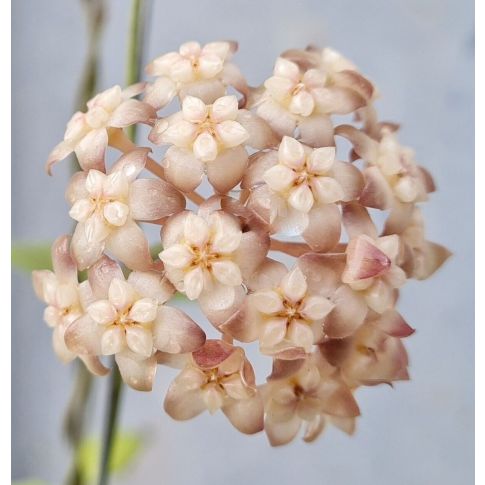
209	138
306	392
87	133
129	319
217	377
296	189
286	318
107	207
208	256
66	300
196	70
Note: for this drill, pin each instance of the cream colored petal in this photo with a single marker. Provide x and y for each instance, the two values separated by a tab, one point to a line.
273	332
268	301
379	296
160	93
287	69
231	133
294	285
246	415
113	340
144	310
139	340
279	177
301	335
205	147
96	228
227	272
94	182
177	256
316	307
184	399
137	371
181	133
194	283
279	87
291	153
102	312
81	210
100	276
116	185
151	284
194	109
327	190
321	160
213	398
116	213
183	169
302	103
210	65
279	119
182	71
196	230
301	198
224	108
83	336
227	233
121	294
282	432
90	151
85	252
190	49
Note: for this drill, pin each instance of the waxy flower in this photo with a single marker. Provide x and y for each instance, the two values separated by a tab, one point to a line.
194	70
106	207
128	319
286	319
87	133
66	300
303	392
209	138
392	175
296	189
375	354
218	376
208	256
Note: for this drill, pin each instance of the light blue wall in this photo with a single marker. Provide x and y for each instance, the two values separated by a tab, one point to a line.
420	53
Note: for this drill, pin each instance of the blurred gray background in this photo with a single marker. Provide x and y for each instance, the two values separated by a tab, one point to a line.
420	53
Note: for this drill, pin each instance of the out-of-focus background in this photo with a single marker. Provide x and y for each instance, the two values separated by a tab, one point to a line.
420	53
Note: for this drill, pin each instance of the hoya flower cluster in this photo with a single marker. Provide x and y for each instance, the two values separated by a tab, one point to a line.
290	181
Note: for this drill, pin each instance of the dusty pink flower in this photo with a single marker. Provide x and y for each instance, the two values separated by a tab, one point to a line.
218	376
206	256
286	318
306	392
295	190
66	300
107	207
87	133
209	138
129	319
195	70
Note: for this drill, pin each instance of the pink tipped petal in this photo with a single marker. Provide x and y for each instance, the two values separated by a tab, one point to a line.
268	275
376	193
282	432
357	221
174	332
261	135
435	256
132	111
94	365
337	399
83	336
212	354
182	169
77	188
364	260
221	305
280	121
101	274
323	231
392	323
349	178
129	245
208	90
348	314
91	150
337	100
182	403
160	93
351	79
246	415
151	285
227	170
60	151
259	164
85	253
138	372
152	199
251	252
139	340
244	325
64	266
131	163
364	146
317	131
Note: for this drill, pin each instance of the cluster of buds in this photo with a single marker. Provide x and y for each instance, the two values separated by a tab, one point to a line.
279	192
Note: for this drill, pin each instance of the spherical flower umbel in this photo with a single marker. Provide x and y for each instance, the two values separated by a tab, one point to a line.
282	249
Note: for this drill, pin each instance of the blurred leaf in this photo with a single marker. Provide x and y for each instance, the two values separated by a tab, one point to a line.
126	448
29	257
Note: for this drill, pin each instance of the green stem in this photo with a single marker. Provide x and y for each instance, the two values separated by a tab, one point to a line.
133	69
111	422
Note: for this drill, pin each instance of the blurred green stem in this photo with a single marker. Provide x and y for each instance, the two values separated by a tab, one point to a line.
133	69
74	419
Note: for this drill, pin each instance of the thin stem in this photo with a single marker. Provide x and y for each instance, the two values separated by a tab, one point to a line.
111	422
